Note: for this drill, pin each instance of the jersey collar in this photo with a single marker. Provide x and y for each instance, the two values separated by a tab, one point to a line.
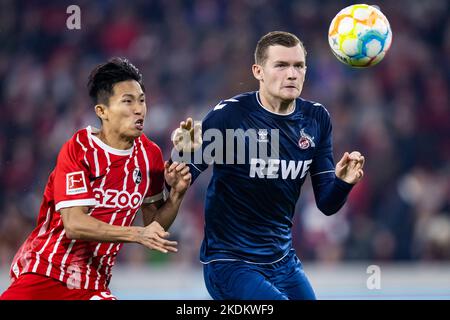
106	147
278	114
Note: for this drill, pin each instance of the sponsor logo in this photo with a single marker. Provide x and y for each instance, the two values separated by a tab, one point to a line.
272	168
75	183
117	199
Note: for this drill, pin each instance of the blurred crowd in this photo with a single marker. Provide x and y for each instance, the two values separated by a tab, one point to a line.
195	53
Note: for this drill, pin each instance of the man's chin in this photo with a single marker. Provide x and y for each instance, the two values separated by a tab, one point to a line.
290	95
136	134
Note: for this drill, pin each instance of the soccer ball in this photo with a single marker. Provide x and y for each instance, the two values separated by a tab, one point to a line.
360	35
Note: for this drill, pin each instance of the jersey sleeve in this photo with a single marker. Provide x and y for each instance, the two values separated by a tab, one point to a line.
72	178
323	162
156	189
330	192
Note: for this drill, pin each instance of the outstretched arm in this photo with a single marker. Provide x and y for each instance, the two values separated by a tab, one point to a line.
81	226
177	176
188	147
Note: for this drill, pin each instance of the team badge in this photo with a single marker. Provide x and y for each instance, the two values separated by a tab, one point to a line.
306	140
75	183
137	176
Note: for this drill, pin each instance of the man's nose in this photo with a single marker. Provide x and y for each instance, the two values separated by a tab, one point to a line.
292	73
139	108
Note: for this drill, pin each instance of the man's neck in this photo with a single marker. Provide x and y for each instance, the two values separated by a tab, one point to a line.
113	140
276	105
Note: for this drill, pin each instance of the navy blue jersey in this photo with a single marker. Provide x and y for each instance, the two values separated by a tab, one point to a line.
251	197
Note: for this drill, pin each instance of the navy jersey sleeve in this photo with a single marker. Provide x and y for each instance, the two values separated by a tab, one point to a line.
330	192
323	162
212	125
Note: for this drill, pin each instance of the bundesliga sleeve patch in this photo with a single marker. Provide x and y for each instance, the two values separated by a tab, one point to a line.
75	183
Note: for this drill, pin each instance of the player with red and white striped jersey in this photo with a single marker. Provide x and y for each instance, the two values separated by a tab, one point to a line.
101	179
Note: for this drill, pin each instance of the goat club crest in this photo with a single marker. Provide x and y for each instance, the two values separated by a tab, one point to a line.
306	140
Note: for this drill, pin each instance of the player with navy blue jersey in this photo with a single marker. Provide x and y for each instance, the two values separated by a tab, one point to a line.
262	145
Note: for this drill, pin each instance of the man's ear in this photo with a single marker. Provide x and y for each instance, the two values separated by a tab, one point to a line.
101	111
258	72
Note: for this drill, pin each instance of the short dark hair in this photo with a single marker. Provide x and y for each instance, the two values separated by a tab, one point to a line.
282	38
103	78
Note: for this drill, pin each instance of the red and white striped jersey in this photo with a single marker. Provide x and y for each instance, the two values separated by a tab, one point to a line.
113	183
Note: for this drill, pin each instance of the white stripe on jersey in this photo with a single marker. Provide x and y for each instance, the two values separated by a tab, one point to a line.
61	276
111	221
36	264
84	149
135	190
75	203
329	171
59	206
72	203
147	166
97	248
97	167
112	244
97	173
50	257
45	224
108	168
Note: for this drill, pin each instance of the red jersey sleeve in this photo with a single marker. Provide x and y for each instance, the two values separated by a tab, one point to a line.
71	178
156	189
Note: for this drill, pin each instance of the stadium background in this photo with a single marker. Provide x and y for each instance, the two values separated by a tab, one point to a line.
194	54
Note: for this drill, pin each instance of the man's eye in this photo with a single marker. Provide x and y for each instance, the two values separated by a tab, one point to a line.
127	101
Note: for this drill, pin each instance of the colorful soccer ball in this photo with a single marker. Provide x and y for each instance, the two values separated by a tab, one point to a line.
360	35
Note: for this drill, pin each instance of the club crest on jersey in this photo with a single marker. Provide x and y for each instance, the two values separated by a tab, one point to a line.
262	135
306	140
75	183
137	176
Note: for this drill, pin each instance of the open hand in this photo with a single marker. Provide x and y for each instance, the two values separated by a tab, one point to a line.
153	237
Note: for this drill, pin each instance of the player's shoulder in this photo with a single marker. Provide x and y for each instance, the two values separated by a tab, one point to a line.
80	135
149	144
231	110
239	102
76	146
80	139
313	109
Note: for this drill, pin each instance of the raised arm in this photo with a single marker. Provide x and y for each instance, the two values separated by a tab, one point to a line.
188	146
178	178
